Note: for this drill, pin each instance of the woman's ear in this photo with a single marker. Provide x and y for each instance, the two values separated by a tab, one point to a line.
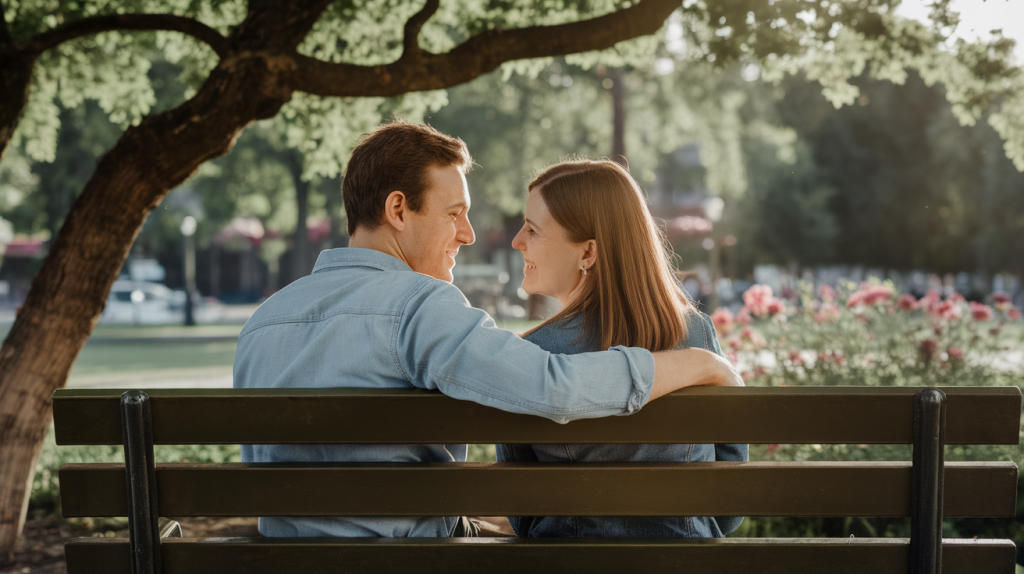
395	210
589	253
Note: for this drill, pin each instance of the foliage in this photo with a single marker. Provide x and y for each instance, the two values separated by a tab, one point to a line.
45	498
893	181
866	335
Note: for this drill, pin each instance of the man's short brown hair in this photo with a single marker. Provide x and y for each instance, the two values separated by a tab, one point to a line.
396	157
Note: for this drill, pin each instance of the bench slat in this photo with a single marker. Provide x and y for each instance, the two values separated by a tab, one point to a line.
785	415
498	556
515	489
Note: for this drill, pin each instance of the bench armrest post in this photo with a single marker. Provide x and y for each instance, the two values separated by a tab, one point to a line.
143	534
928	471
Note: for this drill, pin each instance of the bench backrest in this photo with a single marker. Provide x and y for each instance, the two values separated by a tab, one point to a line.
789	415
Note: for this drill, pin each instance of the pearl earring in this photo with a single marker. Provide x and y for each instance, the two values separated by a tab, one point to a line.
583	269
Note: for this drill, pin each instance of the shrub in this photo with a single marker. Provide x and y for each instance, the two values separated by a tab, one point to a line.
867	335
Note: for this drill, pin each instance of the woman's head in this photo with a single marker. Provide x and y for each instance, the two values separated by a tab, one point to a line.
591	215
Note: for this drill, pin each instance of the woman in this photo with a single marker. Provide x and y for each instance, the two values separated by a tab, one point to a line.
590	242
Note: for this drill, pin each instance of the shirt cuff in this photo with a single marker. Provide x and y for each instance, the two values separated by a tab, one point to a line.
641	371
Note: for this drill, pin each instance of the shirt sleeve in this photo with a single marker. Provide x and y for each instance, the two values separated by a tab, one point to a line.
443	343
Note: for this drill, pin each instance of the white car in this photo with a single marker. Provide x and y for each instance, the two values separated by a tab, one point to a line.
148	303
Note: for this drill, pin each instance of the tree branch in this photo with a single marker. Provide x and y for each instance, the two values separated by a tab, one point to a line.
478	55
94	25
410	42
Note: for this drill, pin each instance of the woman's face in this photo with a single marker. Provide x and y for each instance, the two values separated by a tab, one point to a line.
552	262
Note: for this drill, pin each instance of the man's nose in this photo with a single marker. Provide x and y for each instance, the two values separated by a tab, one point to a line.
465	232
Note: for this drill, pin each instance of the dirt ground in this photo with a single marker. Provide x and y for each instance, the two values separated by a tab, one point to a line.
41	549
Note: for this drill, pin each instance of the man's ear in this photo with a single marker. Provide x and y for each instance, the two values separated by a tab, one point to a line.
396	209
589	253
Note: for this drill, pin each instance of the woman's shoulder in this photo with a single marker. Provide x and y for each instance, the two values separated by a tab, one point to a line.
561	337
700	331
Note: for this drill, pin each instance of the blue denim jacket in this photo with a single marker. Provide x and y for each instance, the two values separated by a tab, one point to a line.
365	319
565	338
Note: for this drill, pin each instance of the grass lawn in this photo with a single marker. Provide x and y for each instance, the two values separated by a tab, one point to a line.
152	351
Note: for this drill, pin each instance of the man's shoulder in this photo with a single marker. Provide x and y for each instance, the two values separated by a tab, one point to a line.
346	290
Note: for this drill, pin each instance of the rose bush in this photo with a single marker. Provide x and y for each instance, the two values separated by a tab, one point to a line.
868	334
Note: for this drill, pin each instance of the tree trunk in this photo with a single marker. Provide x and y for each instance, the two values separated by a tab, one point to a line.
335	213
69	292
300	249
618	117
15	80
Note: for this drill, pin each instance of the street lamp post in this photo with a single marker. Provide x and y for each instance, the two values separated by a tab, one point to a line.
188	230
713	207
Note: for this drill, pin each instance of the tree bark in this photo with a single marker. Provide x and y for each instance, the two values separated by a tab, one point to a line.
618	92
15	80
300	248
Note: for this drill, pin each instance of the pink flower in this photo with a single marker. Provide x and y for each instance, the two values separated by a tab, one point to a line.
723	319
948	309
795	357
929	301
827	293
734	344
827	313
927	349
868	294
906	302
776	306
1013	314
757	299
955	353
743	316
980	312
1000	298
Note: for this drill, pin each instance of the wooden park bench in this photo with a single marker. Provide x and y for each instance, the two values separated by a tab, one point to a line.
925	489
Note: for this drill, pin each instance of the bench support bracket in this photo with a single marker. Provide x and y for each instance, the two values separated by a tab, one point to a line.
144	536
926	495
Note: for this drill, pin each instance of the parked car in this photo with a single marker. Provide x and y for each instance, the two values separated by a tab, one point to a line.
148	303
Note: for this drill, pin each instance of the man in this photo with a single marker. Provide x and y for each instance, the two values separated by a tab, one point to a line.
383	313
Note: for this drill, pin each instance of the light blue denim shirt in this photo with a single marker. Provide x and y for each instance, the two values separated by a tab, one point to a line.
365	319
566	337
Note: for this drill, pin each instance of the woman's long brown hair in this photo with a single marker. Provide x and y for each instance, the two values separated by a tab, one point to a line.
630	295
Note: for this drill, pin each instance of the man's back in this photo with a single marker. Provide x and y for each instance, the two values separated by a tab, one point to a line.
364	319
334	329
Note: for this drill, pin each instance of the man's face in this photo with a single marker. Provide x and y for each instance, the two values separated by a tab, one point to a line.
433	235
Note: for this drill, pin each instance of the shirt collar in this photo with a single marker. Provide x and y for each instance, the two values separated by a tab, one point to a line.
357	257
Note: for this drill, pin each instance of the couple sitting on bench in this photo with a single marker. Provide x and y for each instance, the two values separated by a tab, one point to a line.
383	313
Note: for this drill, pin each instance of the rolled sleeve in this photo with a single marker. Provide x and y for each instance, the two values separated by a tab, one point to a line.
443	343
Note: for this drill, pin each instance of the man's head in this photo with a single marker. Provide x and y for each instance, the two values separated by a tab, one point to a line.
407	182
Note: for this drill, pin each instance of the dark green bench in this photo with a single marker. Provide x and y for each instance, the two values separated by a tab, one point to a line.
925	489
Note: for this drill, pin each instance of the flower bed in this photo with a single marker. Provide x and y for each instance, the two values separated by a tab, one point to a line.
868	335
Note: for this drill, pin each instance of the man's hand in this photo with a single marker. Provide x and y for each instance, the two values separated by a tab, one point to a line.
674	370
